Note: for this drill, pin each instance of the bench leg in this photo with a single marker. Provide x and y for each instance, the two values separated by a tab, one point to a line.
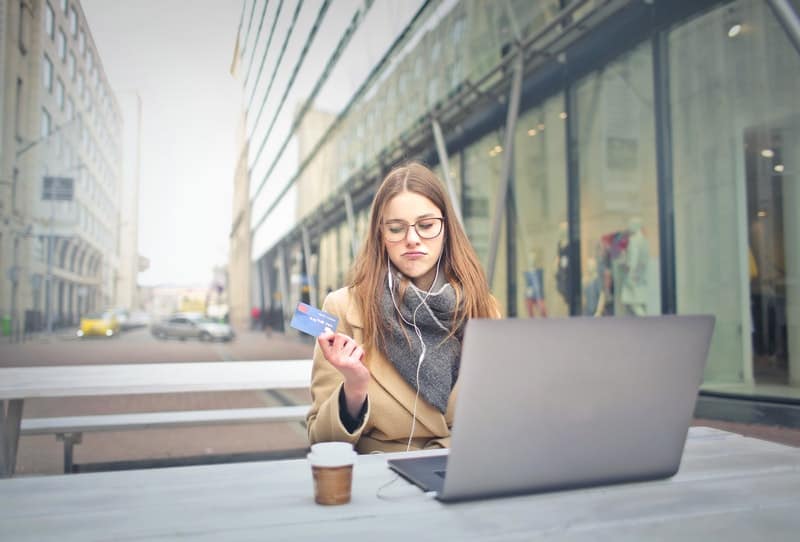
10	419
70	440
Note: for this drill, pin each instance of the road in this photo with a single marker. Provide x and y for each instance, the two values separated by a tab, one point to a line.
43	454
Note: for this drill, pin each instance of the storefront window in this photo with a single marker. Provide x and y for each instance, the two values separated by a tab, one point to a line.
734	89
481	176
618	193
539	211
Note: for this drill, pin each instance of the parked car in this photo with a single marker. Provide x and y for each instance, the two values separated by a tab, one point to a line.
104	324
138	319
188	326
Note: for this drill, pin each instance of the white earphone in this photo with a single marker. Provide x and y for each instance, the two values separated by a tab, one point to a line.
417	331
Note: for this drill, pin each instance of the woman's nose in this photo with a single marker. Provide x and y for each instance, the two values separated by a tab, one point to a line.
412	236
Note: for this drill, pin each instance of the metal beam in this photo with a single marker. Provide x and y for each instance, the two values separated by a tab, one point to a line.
508	161
310	276
789	20
664	172
441	149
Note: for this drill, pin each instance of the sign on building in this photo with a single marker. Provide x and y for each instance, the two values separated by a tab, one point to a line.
58	188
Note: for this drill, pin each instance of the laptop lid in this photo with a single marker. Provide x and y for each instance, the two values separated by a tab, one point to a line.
549	404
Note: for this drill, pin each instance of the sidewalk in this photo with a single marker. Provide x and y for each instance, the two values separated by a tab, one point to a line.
63	334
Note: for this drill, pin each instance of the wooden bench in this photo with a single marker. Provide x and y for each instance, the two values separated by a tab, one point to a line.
70	429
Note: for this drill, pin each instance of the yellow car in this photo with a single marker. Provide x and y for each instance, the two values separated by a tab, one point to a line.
99	323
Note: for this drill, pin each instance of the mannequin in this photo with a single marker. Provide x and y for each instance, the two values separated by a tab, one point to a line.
534	287
633	293
562	263
594	298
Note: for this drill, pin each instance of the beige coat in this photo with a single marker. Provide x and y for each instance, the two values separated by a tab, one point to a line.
387	423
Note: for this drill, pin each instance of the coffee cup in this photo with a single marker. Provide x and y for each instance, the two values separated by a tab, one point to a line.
332	468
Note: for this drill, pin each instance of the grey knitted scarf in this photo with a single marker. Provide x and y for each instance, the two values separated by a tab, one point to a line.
439	369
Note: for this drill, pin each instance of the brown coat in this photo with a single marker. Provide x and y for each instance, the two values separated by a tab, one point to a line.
387	422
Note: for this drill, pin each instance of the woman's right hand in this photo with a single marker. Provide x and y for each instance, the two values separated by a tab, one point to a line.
347	356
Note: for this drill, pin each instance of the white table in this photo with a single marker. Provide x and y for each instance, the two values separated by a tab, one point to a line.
20	383
728	488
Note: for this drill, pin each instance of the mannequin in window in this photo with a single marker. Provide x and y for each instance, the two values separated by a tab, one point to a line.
633	293
534	287
594	298
562	263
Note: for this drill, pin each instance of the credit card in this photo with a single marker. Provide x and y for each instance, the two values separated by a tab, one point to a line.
313	321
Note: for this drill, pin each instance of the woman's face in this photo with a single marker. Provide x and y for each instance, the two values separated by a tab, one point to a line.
411	253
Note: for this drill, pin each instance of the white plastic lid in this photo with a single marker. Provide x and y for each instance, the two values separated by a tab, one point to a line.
332	460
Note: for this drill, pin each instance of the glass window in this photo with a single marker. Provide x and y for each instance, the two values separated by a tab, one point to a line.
539	213
45	127
80	84
49	20
89	61
73	21
619	234
47	74
63	4
20	108
60	94
62	45
24	26
71	65
81	42
481	175
734	80
70	109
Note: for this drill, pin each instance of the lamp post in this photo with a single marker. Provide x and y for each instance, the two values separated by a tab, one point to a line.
13	275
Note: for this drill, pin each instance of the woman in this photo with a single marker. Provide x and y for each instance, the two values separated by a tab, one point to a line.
386	380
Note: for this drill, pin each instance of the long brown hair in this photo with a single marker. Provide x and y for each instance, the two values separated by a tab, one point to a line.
460	263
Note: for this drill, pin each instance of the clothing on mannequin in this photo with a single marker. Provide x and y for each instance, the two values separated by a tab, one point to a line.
633	294
594	299
609	263
562	263
534	288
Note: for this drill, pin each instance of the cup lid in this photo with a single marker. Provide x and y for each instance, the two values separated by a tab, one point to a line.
332	460
332	448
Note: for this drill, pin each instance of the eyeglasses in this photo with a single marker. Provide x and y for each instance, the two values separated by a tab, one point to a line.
426	228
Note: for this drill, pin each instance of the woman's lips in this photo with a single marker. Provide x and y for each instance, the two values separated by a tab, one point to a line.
413	255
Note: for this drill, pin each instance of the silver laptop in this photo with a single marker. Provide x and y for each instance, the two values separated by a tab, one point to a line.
552	404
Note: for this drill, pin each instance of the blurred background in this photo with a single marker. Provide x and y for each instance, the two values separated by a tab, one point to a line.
176	176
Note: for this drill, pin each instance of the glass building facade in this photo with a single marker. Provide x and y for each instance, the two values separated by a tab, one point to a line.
654	168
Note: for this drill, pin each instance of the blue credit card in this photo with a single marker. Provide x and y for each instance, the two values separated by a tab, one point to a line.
313	321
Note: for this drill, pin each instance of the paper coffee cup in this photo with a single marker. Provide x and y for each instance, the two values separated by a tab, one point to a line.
332	468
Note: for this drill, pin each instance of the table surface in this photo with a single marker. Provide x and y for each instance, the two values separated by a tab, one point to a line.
729	487
139	378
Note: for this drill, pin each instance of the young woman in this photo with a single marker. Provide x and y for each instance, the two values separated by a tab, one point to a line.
387	379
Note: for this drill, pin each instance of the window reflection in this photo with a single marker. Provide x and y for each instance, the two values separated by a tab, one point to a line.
539	211
618	193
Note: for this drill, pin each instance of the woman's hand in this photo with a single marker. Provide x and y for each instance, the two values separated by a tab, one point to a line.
347	356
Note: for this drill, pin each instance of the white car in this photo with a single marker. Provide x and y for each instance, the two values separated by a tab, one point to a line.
185	326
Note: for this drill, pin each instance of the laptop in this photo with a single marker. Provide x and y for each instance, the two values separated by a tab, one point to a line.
554	404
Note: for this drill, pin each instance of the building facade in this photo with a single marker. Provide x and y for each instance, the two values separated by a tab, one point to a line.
609	158
61	168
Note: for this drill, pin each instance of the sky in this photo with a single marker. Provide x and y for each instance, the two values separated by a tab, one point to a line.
176	54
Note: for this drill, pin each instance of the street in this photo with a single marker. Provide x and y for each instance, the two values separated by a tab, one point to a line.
125	449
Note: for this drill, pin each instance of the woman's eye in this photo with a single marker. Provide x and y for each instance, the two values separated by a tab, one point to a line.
394	228
426	225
